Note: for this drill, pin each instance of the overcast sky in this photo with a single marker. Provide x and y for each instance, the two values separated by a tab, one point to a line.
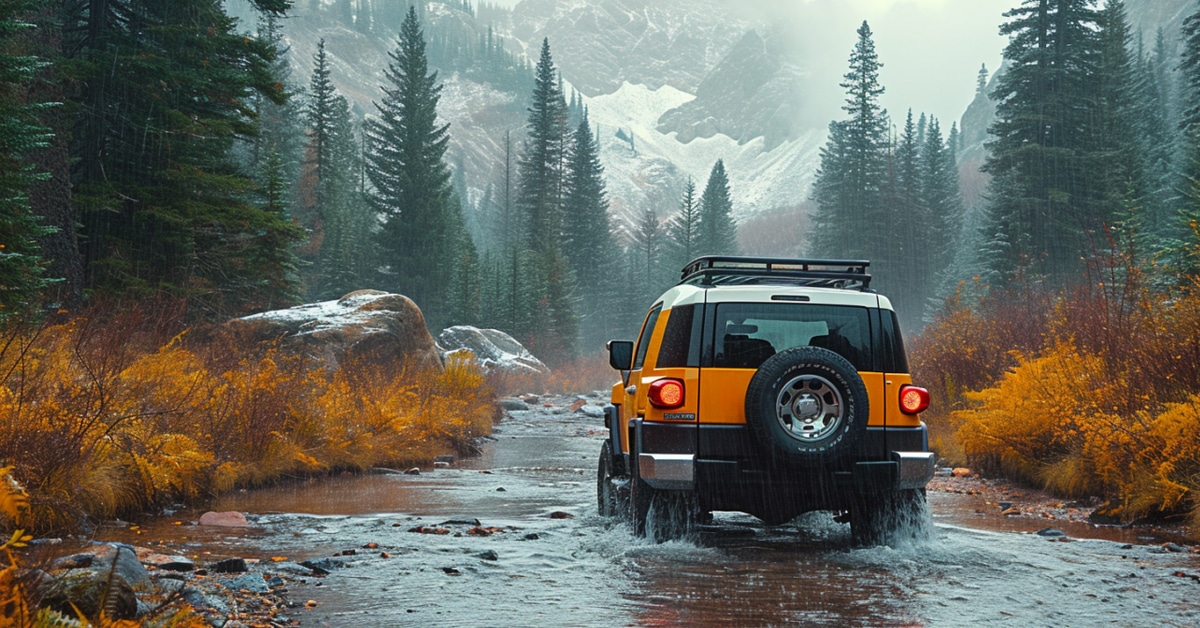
931	49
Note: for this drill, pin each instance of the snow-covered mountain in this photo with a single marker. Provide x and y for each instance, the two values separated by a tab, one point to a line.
676	85
673	85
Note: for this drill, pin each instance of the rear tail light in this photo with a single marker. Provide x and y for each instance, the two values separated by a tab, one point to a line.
666	393
913	399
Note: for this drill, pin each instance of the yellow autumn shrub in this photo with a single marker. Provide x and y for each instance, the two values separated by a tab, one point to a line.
1035	423
98	420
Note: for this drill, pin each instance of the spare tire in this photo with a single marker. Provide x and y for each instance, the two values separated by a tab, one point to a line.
807	405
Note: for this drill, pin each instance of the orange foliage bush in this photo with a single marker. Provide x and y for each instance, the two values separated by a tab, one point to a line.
969	349
97	419
1105	404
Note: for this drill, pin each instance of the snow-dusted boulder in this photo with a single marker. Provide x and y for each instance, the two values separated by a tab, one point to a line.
493	349
365	326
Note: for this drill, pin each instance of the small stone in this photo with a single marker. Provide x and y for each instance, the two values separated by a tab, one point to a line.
229	565
231	519
310	604
512	403
558	514
425	530
451	571
592	411
441	465
384	555
1051	533
501	490
413	471
1010	511
1172	547
371	545
251	582
1004	505
529	398
446	458
168	563
577	405
961	472
532	536
461	522
489	555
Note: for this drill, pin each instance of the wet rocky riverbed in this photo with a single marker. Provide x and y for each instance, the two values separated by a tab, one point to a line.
512	538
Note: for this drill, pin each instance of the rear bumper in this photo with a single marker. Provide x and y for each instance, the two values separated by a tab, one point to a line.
906	470
722	459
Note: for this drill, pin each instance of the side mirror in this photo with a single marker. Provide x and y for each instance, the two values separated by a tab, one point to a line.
620	354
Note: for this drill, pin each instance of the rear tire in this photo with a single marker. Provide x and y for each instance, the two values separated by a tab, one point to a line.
661	515
888	518
606	492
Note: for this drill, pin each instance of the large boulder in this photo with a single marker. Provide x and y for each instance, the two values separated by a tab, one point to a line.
494	350
366	326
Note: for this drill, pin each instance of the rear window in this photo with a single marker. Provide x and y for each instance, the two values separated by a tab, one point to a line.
747	334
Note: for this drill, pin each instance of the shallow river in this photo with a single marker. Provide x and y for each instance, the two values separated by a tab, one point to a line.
534	569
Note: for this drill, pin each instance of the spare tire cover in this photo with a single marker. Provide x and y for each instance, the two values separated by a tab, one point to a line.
807	405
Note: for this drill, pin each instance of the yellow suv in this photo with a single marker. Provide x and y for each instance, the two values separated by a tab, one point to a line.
768	386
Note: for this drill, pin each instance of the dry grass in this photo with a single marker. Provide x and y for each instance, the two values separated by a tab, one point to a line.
106	417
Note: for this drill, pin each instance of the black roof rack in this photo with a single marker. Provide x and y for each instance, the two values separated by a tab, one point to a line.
712	270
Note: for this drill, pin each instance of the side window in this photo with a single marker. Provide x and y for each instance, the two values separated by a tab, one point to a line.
643	345
681	339
894	359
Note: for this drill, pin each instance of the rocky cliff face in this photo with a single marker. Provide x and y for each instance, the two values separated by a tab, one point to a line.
601	44
755	91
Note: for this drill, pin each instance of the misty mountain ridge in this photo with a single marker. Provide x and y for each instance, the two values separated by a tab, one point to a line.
671	85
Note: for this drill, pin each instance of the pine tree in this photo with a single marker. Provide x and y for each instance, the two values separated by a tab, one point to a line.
1044	203
21	279
552	324
684	228
902	260
981	80
1158	143
406	147
280	125
943	224
587	235
647	250
850	220
541	164
1189	67
718	233
1116	149
167	89
51	195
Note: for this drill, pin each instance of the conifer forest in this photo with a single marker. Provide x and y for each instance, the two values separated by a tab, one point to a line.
168	165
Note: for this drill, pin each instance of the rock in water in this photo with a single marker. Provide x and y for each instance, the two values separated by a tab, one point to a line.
367	326
231	519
